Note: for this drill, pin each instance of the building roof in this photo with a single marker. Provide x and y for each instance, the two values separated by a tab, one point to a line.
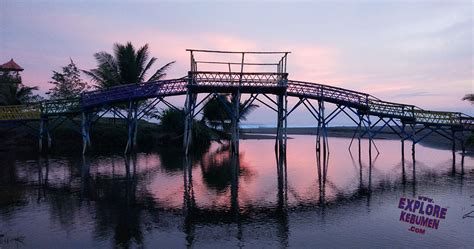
10	66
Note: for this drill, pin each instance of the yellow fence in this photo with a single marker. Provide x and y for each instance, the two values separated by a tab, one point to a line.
20	112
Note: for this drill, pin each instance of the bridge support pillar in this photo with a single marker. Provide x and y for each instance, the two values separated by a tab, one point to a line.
41	135
85	127
369	132
413	139
453	141
132	121
235	122
281	139
402	138
359	132
322	133
189	107
413	155
44	131
463	151
48	134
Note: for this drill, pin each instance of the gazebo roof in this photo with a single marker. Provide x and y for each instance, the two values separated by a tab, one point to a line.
10	66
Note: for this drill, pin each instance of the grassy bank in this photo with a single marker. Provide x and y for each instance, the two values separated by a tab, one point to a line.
106	135
110	135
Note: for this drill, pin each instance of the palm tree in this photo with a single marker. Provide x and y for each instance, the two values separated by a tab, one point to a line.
216	114
126	65
16	94
13	92
469	97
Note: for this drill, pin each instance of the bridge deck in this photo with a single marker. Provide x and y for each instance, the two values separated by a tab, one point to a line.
224	82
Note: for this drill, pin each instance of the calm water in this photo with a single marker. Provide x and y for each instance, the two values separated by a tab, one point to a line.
160	200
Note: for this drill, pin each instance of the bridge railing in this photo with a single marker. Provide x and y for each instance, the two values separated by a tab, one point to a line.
330	93
437	117
237	79
390	109
467	122
20	112
61	106
134	91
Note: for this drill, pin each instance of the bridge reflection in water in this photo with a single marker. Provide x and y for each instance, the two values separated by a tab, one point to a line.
130	200
126	208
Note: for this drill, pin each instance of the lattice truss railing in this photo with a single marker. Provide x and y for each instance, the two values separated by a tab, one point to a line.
61	106
389	109
437	117
324	92
376	106
20	112
237	79
163	88
134	92
467	122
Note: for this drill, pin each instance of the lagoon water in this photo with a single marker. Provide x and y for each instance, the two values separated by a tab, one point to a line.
160	200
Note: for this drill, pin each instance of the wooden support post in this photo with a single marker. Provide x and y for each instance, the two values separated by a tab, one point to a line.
318	133
463	152
403	138
359	129
285	125
48	134
413	139
323	132
41	133
369	124
130	128
318	164
413	156
188	120
453	135
403	151
85	132
235	122
280	142
135	125
132	121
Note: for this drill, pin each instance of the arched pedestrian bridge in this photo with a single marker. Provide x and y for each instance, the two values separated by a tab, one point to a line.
269	87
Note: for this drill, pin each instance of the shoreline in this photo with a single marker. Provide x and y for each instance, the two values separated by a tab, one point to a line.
114	136
433	140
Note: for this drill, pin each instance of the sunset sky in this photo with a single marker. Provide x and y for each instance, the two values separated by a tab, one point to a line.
417	52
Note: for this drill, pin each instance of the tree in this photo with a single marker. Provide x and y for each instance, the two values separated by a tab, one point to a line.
126	65
469	97
14	92
67	84
24	94
172	129
216	114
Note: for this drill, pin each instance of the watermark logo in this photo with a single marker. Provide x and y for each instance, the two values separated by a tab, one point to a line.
471	213
421	213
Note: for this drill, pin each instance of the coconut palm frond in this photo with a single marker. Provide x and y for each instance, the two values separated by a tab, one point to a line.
161	73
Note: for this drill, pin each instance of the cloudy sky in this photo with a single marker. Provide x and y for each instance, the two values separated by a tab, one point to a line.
417	52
